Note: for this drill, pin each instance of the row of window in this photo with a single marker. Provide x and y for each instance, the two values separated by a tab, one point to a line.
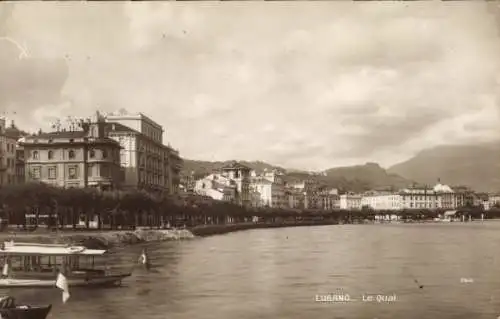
153	179
71	154
92	170
152	132
36	172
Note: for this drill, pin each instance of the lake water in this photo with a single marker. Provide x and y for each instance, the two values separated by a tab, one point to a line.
277	273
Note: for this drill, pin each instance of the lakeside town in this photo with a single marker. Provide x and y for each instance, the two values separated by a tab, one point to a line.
119	161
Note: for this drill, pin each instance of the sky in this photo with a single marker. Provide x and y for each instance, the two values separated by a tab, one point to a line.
308	85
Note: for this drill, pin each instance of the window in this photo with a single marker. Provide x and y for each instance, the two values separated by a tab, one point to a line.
71	154
35	173
92	154
52	172
104	170
73	172
104	154
35	155
91	169
51	155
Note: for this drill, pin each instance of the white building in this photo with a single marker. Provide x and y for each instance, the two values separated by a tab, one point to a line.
147	162
439	196
382	201
493	201
270	189
350	201
217	187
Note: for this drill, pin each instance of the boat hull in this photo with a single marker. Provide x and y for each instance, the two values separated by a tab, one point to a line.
32	312
110	280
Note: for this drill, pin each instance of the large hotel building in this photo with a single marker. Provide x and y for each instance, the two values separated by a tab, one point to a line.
108	152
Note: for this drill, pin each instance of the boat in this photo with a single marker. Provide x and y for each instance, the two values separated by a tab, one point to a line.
32	265
9	309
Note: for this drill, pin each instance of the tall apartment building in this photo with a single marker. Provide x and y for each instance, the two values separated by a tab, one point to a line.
269	189
74	158
8	141
147	162
240	174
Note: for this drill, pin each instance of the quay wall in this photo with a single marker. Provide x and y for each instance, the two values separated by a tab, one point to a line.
210	230
99	239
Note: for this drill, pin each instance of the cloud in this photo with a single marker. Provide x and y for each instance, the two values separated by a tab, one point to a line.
26	84
303	85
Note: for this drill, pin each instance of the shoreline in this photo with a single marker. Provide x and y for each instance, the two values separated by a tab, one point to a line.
94	239
107	239
212	230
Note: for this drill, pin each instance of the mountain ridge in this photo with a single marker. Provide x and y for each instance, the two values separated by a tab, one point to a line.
476	166
357	178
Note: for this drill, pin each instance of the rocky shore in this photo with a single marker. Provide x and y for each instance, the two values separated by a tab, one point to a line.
100	240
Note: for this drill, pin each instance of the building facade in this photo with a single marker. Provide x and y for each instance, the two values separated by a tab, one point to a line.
240	174
382	201
147	162
350	201
295	198
270	189
8	141
80	158
438	197
216	187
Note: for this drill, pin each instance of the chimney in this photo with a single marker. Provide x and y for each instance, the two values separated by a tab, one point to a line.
12	125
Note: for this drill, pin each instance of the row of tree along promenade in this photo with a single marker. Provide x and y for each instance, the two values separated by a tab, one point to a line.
30	205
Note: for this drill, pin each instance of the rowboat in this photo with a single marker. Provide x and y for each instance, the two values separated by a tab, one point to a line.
32	265
9	309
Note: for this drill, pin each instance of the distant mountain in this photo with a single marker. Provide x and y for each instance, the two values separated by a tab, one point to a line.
476	166
352	178
365	177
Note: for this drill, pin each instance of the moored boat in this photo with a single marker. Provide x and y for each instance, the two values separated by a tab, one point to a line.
36	265
9	309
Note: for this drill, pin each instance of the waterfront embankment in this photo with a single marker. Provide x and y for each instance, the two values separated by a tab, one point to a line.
210	230
99	239
110	239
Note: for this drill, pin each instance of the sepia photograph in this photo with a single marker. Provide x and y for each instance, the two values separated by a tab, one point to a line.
250	159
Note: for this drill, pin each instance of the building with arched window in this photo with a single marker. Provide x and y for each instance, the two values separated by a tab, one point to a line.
74	158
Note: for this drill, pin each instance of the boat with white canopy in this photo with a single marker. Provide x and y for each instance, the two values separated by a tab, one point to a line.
33	265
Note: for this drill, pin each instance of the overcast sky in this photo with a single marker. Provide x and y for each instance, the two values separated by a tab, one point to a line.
308	85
